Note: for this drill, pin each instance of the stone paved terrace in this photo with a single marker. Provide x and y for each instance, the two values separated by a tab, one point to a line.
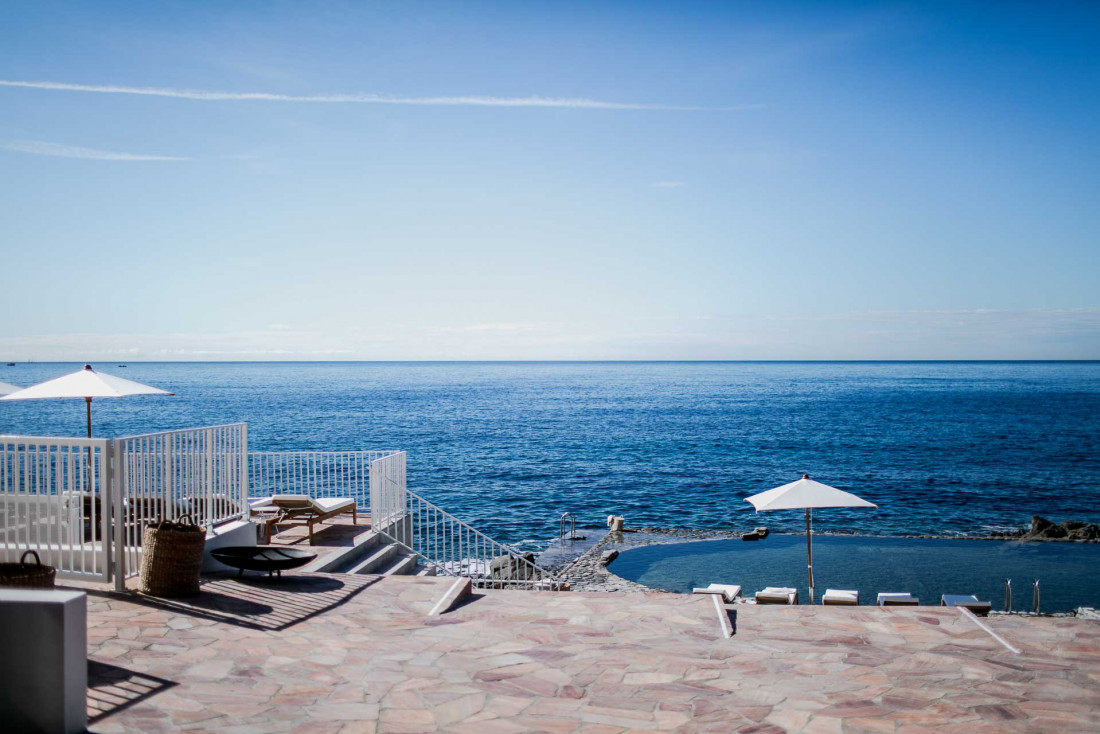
333	653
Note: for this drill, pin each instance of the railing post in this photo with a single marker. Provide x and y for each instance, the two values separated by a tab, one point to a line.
208	452
243	499
117	535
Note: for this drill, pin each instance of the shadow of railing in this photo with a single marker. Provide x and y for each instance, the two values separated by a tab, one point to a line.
259	603
112	689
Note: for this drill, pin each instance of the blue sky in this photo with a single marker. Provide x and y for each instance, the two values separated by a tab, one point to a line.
553	181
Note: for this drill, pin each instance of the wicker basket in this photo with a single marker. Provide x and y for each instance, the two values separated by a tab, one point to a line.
171	558
27	575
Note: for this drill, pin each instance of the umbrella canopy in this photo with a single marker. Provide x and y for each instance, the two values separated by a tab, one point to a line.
805	494
87	384
6	389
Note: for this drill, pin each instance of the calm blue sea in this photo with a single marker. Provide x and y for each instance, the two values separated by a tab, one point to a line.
942	448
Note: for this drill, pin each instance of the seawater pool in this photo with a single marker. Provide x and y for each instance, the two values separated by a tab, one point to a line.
1068	573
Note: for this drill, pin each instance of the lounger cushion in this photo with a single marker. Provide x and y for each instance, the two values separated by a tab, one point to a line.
888	598
331	504
965	600
320	505
781	594
840	596
729	592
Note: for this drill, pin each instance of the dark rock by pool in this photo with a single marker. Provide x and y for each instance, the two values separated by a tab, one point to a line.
927	568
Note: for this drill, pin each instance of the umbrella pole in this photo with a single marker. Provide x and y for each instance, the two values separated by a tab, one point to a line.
809	555
88	405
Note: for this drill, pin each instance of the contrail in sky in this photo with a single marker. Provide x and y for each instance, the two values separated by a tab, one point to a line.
37	147
451	101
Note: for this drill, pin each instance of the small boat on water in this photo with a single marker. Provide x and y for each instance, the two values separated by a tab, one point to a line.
11	364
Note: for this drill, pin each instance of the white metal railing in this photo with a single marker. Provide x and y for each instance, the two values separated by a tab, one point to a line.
313	473
201	473
83	504
441	540
56	496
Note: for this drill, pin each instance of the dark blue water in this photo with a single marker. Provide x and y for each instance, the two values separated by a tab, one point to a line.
943	448
925	568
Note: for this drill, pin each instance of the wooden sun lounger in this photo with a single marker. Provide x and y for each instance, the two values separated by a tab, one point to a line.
968	601
300	509
777	595
729	592
841	597
897	599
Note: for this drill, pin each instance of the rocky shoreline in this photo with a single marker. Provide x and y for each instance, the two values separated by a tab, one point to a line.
589	571
1043	529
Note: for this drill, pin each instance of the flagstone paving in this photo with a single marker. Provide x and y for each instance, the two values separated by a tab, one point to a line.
332	653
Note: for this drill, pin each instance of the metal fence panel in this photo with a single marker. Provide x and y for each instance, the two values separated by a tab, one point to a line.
56	498
199	473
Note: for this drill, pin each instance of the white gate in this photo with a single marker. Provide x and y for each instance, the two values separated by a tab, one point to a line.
56	498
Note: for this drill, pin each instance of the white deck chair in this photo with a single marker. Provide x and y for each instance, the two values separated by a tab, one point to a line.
308	511
729	592
968	601
897	599
777	595
841	597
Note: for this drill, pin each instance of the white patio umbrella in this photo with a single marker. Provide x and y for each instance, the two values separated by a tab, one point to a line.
806	494
87	384
7	389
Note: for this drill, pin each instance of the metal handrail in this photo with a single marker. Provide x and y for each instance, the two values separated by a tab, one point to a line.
1008	595
449	545
456	548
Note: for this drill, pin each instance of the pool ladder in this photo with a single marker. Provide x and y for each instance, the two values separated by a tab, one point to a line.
1036	597
568	519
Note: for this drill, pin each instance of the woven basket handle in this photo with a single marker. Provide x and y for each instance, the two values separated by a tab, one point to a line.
186	519
37	560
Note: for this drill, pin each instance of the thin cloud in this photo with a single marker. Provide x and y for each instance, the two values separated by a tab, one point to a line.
667	184
37	147
446	101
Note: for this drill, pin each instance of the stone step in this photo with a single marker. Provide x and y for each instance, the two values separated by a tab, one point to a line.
343	559
376	561
426	571
402	566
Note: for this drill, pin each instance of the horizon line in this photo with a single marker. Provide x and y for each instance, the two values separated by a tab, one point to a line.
565	361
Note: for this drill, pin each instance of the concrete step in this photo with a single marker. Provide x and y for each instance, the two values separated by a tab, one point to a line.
376	561
402	566
426	571
345	558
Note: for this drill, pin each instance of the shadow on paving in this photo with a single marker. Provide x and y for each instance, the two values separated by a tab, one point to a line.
112	689
262	604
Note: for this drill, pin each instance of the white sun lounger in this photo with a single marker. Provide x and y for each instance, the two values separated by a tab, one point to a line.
968	601
777	595
897	599
308	510
841	597
729	592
